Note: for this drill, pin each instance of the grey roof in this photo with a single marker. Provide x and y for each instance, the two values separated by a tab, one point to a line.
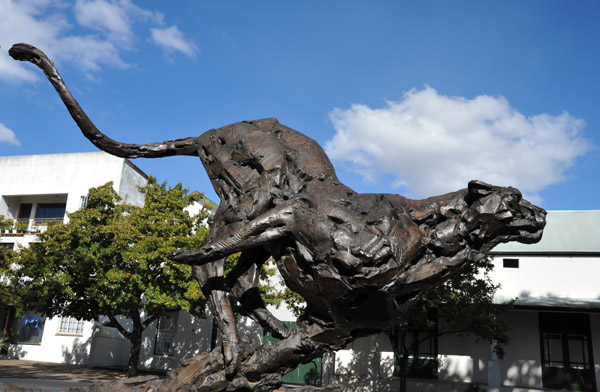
573	304
566	232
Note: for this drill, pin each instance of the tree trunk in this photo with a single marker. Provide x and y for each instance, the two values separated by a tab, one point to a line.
135	338
402	364
401	353
134	353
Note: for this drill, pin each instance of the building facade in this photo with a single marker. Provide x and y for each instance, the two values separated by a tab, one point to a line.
556	316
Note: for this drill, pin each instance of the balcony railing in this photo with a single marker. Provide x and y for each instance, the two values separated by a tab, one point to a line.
29	226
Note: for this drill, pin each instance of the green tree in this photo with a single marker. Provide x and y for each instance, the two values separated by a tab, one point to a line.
109	260
463	305
294	301
269	291
267	278
5	223
5	253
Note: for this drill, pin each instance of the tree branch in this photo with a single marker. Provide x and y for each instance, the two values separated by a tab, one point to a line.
119	327
149	320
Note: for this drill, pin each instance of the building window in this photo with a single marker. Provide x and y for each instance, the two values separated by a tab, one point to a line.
422	363
83	201
165	334
510	263
566	348
25	212
28	329
71	326
50	211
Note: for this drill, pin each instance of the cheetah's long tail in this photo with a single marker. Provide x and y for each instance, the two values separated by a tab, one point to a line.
184	146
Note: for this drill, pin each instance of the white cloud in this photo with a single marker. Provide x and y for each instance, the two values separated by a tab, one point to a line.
115	18
435	144
96	53
104	16
171	39
44	24
98	36
10	70
8	136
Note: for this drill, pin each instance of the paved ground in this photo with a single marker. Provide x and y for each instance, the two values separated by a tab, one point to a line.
30	376
56	371
45	376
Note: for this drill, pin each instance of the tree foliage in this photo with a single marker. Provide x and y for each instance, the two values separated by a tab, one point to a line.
268	285
294	301
6	223
5	253
109	260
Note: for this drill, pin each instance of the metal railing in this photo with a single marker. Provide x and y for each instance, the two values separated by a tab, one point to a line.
31	225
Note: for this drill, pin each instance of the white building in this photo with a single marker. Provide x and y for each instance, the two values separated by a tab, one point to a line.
556	322
37	188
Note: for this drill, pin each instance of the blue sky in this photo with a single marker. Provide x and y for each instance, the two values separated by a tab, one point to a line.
407	97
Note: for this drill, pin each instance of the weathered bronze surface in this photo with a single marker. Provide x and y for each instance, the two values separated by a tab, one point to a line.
359	260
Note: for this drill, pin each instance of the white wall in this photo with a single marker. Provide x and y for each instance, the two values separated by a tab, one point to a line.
100	346
463	359
20	241
50	174
363	365
522	364
560	276
56	347
192	338
108	348
131	179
